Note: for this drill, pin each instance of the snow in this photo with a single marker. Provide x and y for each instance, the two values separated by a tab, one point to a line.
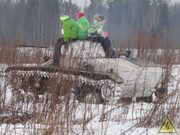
119	119
114	128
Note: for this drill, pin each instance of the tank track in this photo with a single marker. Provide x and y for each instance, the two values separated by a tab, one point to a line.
60	76
18	76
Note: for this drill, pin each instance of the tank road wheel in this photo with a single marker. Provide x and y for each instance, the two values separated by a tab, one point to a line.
38	84
107	92
29	97
89	94
93	98
16	82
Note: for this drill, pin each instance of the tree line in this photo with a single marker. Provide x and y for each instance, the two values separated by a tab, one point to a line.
37	21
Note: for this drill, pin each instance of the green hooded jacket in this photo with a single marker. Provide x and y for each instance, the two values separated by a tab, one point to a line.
82	28
70	29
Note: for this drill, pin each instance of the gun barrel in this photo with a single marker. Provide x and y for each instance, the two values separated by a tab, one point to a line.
37	46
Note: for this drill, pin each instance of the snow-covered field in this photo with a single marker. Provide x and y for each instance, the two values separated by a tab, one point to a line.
125	119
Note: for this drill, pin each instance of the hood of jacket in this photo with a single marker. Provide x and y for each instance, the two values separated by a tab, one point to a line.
84	22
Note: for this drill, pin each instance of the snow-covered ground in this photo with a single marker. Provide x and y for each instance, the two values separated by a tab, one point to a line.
118	119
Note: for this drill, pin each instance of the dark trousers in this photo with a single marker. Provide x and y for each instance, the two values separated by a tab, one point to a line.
106	44
57	48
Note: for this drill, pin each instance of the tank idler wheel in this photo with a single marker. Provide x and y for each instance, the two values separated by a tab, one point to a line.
16	82
161	93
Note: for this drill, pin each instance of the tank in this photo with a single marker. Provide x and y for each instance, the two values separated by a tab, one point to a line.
93	77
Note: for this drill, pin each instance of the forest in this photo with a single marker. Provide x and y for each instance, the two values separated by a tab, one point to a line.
37	21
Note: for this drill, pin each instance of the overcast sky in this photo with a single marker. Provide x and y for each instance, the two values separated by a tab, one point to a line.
174	1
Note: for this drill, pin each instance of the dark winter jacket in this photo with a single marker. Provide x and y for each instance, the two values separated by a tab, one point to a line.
70	30
82	28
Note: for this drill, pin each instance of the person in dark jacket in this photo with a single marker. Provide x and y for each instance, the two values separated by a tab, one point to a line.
69	32
95	33
82	26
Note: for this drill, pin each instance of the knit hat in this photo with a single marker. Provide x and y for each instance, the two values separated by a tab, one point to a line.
101	17
81	14
64	17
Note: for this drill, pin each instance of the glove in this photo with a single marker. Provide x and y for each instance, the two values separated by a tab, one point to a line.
105	34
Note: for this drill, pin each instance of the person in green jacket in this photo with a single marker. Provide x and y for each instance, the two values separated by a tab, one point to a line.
69	32
82	26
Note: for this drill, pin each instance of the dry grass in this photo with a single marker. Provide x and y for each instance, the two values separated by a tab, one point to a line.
59	112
